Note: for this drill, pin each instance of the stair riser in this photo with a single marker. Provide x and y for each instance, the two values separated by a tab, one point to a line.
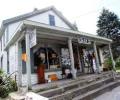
52	92
77	92
92	96
89	88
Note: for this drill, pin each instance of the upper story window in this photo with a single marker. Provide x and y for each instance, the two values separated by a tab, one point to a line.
52	20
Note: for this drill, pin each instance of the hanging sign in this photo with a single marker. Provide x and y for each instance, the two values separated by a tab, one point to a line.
32	37
84	40
65	57
24	57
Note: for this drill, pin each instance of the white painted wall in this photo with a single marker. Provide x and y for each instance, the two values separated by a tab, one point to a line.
12	28
44	18
4	62
12	59
34	79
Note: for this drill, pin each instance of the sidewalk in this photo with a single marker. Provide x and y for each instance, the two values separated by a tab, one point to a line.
112	95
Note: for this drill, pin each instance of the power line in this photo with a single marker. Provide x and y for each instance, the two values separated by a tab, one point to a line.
87	13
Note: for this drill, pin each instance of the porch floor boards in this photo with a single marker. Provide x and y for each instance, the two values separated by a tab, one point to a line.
64	82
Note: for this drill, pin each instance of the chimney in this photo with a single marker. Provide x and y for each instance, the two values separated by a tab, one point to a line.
35	9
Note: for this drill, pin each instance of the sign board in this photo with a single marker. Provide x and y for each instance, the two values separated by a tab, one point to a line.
32	37
65	57
24	57
34	96
84	40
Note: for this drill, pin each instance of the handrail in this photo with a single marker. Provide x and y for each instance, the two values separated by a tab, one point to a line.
8	77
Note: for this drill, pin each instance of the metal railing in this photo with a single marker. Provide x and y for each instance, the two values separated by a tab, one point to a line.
9	77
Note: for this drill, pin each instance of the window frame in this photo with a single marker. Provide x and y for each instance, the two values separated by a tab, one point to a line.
51	20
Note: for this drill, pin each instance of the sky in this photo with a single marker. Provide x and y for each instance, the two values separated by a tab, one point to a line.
84	13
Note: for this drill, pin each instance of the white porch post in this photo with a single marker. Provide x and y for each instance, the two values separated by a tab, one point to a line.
96	57
101	57
28	65
19	65
71	57
111	55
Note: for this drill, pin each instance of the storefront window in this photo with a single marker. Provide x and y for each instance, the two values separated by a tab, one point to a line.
51	60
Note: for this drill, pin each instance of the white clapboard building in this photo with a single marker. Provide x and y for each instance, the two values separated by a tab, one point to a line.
45	38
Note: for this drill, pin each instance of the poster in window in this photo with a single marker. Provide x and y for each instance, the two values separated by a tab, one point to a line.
65	57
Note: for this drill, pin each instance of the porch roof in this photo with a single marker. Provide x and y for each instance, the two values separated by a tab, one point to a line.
62	31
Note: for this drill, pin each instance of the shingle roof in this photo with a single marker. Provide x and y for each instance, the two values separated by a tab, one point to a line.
36	12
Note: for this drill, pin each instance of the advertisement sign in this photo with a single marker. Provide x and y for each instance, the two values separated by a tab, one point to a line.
32	37
84	40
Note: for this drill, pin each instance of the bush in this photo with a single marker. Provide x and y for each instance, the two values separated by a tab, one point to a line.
4	91
117	64
1	72
108	63
9	86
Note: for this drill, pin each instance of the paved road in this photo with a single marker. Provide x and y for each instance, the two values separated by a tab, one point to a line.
112	95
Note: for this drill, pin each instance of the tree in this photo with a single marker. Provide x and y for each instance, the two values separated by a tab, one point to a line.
109	25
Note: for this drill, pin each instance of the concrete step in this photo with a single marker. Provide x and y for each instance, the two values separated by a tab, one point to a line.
69	94
81	80
96	92
75	84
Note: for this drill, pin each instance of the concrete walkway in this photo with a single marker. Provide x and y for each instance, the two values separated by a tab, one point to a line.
112	95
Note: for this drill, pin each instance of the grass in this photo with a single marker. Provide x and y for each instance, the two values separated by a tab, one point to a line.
117	69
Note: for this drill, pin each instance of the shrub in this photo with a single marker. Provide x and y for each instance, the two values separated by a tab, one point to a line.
1	72
108	63
117	64
4	91
9	86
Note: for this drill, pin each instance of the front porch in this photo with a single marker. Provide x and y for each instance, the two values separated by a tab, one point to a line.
54	39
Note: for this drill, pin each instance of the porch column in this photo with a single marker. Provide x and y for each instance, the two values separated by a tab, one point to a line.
28	65
96	57
79	57
111	55
19	62
71	57
101	57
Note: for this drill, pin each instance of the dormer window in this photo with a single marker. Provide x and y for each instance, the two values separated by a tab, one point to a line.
52	20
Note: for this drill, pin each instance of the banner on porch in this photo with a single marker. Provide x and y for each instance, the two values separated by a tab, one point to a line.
66	62
24	57
32	37
84	40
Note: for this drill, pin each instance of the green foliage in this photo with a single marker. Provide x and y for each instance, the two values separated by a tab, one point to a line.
117	65
108	63
1	72
8	86
4	91
109	25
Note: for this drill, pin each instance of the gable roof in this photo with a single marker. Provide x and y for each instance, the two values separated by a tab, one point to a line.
36	12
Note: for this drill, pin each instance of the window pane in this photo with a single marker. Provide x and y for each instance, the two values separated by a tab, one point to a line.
51	20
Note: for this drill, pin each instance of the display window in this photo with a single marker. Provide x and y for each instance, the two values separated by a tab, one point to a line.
47	56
